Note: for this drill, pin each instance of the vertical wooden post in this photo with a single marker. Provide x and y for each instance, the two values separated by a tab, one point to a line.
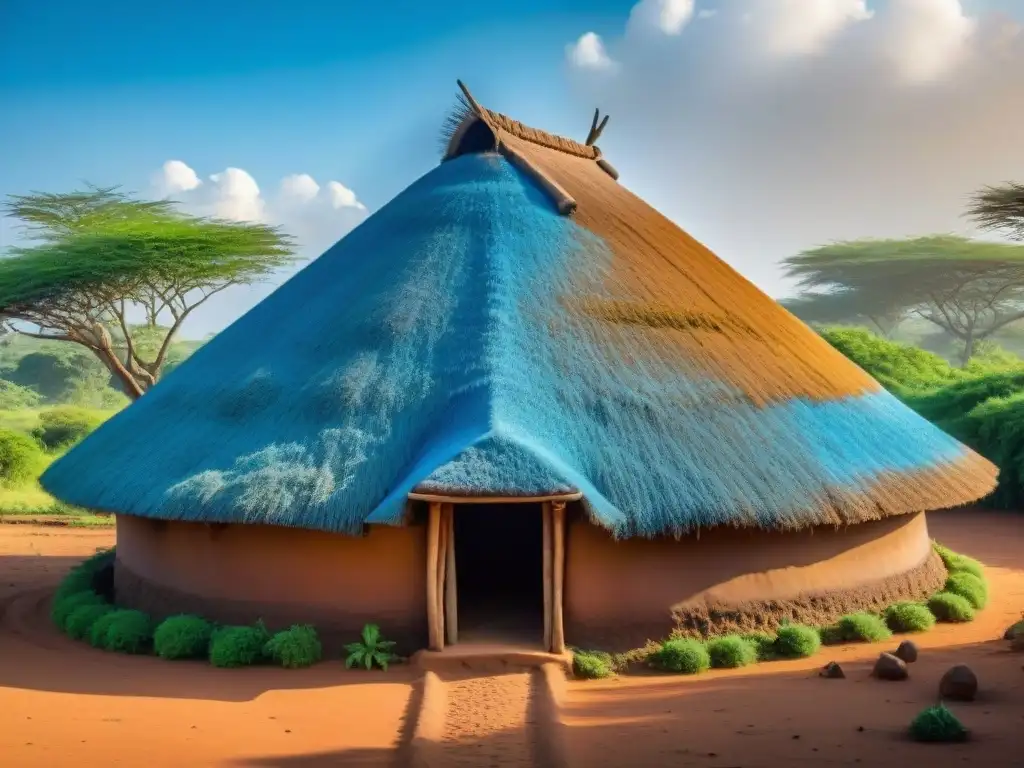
546	520
435	639
442	564
451	595
558	542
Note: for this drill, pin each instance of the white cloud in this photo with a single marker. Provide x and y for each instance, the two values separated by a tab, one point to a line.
801	27
665	16
175	176
588	53
706	13
300	186
238	196
924	39
343	197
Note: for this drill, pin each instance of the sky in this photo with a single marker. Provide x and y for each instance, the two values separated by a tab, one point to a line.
763	127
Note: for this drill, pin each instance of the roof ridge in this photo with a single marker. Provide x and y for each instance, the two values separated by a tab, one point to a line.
536	136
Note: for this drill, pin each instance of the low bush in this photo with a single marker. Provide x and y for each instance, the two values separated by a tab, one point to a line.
862	628
371	650
79	578
948	607
682	655
238	646
64	605
592	665
80	620
64	426
795	641
957	563
731	651
969	587
909	617
127	631
21	458
763	642
183	637
97	635
297	646
937	725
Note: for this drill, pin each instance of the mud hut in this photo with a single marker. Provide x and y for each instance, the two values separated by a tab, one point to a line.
518	401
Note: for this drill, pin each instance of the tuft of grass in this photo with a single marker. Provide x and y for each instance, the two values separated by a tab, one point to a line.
297	646
764	644
80	620
862	628
592	665
371	650
238	646
957	563
948	607
968	586
682	655
937	725
731	651
64	605
909	617
795	641
183	637
127	631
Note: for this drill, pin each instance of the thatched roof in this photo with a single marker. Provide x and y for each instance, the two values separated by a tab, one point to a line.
480	335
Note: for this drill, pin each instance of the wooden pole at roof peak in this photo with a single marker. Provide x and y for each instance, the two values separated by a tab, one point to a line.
469	97
595	129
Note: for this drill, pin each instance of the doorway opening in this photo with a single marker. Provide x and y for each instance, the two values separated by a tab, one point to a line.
499	551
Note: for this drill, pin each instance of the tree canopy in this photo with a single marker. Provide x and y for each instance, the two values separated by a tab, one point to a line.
101	256
1000	208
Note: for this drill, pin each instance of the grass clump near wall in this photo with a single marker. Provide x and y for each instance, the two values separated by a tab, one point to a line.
909	617
682	655
969	587
183	637
796	641
64	605
238	646
951	608
127	631
80	620
295	647
764	644
957	563
938	725
731	651
592	665
861	628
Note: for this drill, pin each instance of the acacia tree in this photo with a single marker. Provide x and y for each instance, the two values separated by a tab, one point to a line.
1000	208
969	288
846	306
102	256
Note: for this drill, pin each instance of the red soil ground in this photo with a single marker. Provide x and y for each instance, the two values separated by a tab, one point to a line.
64	703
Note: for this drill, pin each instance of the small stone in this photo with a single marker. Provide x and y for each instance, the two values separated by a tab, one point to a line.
888	667
907	651
832	671
959	684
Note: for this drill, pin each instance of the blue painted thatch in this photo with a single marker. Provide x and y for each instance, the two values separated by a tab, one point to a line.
451	344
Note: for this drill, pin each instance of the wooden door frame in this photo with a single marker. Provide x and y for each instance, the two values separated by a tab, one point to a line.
442	593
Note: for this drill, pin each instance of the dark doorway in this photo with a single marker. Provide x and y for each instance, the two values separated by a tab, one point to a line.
499	562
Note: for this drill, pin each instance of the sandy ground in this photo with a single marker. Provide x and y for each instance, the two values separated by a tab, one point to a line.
64	703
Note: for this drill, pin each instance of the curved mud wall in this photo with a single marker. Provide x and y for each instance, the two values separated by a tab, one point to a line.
619	594
240	573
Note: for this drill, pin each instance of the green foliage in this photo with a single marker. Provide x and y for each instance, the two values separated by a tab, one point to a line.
21	460
592	665
763	642
238	646
909	617
900	368
862	628
126	631
969	587
937	725
681	654
995	429
79	578
64	426
952	608
297	646
14	397
80	620
795	641
957	563
58	371
731	651
64	605
183	637
371	650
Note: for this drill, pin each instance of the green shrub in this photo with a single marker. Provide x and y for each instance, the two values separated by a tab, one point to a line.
731	651
79	578
127	631
238	646
862	628
909	617
21	459
297	646
831	635
957	563
14	397
372	649
97	634
796	641
182	637
763	642
969	587
64	605
592	665
80	620
948	607
937	724
64	426
682	655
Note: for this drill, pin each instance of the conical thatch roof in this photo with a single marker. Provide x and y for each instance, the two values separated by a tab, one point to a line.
518	323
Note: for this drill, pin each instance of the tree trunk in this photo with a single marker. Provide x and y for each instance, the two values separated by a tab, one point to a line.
968	350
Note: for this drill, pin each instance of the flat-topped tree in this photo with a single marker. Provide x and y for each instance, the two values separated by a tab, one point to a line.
1000	208
101	255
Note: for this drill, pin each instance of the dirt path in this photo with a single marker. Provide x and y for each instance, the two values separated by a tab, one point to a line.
487	721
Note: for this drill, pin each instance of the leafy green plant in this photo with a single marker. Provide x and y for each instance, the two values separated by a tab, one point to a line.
297	646
957	563
182	637
63	606
80	620
97	634
592	665
731	651
937	725
950	608
862	628
79	578
64	426
909	617
763	642
21	459
372	649
683	655
238	646
970	587
127	631
795	641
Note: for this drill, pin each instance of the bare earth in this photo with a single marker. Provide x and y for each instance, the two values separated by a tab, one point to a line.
64	703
